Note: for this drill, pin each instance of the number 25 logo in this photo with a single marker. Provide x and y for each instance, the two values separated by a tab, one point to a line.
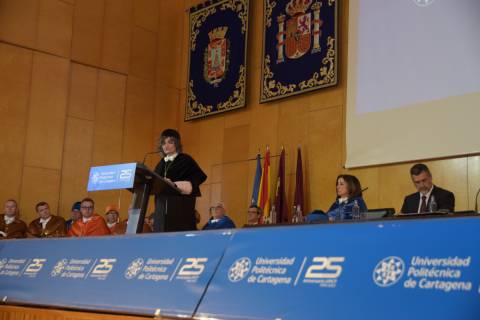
36	265
193	267
325	268
104	266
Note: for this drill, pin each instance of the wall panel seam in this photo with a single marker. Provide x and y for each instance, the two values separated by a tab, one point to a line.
27	120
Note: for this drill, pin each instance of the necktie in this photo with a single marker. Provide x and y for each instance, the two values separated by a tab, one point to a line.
423	205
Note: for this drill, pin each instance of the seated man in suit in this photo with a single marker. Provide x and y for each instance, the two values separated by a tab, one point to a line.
91	224
219	219
419	202
10	225
47	225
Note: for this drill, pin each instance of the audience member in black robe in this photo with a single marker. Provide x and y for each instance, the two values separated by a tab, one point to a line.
177	213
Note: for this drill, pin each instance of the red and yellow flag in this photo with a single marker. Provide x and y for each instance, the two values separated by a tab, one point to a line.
264	198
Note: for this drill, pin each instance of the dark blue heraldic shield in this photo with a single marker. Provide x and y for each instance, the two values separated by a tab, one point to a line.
217	58
299	47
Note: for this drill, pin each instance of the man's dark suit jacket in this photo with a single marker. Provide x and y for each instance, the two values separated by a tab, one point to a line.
444	198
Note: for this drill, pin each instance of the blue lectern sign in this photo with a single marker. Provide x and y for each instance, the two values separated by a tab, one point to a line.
415	269
156	274
118	176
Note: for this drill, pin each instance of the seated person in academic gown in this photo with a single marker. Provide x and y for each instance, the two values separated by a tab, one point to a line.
420	201
10	225
219	219
75	214
91	224
349	192
46	225
185	173
112	215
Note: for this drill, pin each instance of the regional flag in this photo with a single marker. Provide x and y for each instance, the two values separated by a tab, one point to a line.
298	204
280	197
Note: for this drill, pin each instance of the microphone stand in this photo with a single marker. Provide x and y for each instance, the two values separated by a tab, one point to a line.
148	153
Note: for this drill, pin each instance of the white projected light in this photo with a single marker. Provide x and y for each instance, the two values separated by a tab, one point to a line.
413	87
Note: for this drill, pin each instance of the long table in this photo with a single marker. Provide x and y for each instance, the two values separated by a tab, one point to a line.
424	268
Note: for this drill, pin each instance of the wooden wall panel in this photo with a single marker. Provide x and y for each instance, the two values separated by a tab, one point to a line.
473	166
207	144
77	154
143	57
38	184
26	313
264	128
108	131
18	21
146	14
185	47
88	31
170	48
15	68
323	156
203	204
292	131
166	108
48	105
369	178
117	34
83	91
255	36
235	172
451	174
55	27
109	118
234	191
395	184
138	126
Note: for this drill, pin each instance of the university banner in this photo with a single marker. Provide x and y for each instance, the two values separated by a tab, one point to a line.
217	58
299	47
391	269
159	274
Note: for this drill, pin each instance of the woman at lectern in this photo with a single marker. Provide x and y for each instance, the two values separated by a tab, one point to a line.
349	203
177	212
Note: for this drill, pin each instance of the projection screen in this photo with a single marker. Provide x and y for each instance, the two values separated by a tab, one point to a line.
413	87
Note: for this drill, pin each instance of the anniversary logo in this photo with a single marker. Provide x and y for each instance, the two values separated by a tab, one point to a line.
321	271
165	269
83	268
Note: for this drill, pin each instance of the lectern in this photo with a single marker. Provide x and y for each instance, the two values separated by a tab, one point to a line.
172	208
168	200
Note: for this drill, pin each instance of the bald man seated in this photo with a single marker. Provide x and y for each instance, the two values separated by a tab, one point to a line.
11	227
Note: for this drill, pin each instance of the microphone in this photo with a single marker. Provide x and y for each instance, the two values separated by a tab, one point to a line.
476	201
148	153
365	189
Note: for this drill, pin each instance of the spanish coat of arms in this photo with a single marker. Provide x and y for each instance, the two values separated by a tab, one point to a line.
299	49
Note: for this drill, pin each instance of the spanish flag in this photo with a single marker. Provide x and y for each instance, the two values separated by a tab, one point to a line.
264	198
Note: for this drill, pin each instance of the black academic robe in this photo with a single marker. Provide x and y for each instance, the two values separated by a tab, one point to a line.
182	168
445	201
177	212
